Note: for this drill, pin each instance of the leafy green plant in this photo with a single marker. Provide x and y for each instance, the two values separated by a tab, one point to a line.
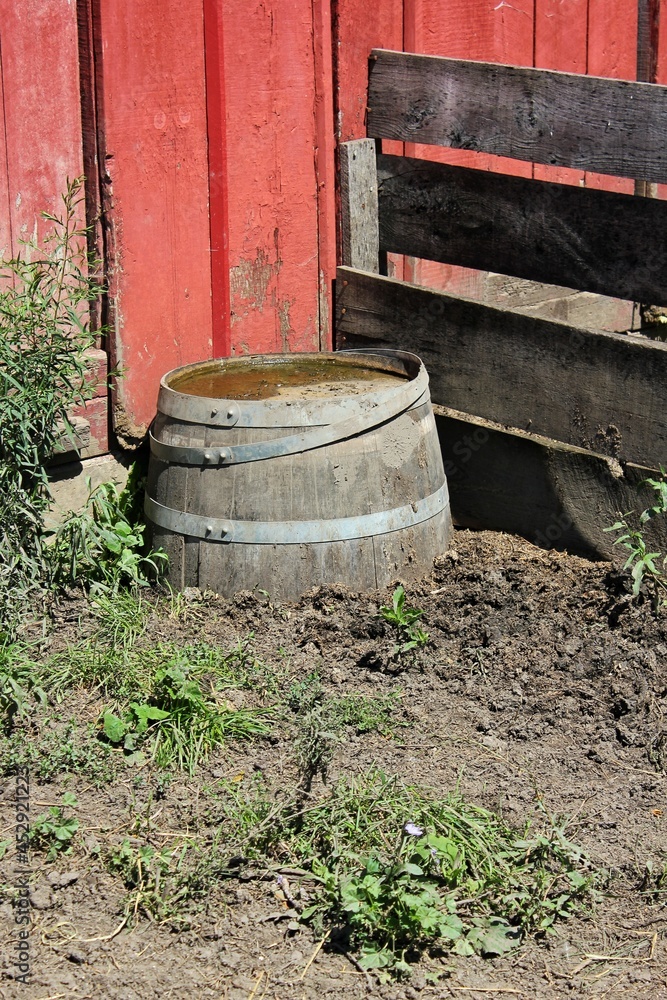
178	722
20	687
409	635
387	887
157	881
53	831
44	338
103	547
646	567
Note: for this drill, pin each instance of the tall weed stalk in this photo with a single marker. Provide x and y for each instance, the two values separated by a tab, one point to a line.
44	338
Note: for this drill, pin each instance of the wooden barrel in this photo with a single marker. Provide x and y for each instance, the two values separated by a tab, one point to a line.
286	472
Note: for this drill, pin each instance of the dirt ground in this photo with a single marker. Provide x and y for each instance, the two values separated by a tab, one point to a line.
541	678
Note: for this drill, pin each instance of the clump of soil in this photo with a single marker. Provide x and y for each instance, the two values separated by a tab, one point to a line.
543	686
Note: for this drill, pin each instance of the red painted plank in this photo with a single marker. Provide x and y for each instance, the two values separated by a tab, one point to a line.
561	43
661	54
216	113
5	212
274	252
325	171
153	120
355	34
41	109
612	51
494	30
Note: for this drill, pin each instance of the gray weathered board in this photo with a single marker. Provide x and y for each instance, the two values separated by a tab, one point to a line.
546	429
605	391
564	119
359	204
553	494
596	241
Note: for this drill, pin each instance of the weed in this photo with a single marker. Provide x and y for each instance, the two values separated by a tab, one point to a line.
315	744
155	879
103	547
321	721
71	749
53	831
368	715
409	635
646	567
44	337
178	722
305	694
121	618
392	869
20	687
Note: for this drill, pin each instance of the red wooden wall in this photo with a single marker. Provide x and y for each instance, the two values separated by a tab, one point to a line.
207	130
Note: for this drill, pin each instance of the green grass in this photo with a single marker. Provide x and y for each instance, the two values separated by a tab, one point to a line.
47	752
166	702
387	870
467	880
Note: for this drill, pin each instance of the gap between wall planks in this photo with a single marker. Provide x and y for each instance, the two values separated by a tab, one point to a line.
594	390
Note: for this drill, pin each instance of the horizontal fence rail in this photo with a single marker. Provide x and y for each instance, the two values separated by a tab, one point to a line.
595	241
563	119
602	391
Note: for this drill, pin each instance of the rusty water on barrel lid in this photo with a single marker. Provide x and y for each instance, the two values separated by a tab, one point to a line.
283	377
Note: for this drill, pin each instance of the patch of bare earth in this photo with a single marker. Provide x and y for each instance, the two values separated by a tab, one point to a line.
542	687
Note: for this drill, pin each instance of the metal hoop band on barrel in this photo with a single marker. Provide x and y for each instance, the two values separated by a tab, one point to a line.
214	529
409	395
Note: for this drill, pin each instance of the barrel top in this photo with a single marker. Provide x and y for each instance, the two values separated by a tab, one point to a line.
286	390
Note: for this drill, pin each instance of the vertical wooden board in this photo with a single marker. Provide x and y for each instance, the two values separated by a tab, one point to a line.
466	29
325	167
355	34
272	175
612	52
42	110
359	205
561	43
152	116
216	115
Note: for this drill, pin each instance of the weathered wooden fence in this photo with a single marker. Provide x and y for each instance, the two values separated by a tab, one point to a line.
207	131
590	401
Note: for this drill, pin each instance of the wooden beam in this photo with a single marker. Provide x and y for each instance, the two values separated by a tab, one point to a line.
561	119
359	205
602	391
553	494
596	241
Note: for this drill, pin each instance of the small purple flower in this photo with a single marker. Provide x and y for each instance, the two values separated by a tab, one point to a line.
412	830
